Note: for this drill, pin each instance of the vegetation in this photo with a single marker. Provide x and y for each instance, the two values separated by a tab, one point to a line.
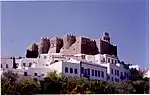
11	84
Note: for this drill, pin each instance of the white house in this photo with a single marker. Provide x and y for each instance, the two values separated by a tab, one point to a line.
99	67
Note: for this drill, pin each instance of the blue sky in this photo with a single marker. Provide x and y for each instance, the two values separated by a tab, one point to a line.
126	20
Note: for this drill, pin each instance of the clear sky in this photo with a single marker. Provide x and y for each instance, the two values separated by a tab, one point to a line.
126	20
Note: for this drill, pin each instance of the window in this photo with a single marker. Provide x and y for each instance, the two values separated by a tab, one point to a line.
112	71
88	70
24	64
85	71
102	74
82	70
71	70
112	61
99	74
112	78
116	79
44	57
56	61
115	72
66	69
25	73
125	74
6	65
75	71
115	61
103	60
1	66
35	74
30	64
118	72
96	73
92	72
108	60
121	73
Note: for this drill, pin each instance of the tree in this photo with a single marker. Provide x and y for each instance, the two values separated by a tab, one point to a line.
28	86
124	87
52	83
136	75
9	85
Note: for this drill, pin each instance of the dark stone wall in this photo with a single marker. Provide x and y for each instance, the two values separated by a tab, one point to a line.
88	46
31	54
107	48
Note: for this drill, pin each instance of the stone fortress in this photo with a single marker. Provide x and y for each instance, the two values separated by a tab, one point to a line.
70	45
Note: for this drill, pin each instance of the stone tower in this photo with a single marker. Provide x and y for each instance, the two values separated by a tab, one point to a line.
32	51
44	45
68	40
106	37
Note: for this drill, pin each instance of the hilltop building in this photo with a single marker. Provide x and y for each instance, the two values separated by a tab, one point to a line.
72	56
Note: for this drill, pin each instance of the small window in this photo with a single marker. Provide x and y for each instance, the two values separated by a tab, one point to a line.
115	72
102	74
112	79
103	59
56	61
115	61
24	64
6	65
44	57
85	71
96	73
121	73
99	74
1	66
88	71
112	71
71	70
30	64
66	69
125	74
116	79
92	72
108	60
118	72
35	74
112	61
82	70
75	71
25	73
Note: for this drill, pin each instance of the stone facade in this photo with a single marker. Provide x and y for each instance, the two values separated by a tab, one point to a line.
70	44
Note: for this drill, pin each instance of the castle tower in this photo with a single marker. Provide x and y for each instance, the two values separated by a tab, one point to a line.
106	37
44	45
68	40
32	51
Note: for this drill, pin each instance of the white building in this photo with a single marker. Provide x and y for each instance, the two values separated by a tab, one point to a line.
99	67
147	73
137	67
